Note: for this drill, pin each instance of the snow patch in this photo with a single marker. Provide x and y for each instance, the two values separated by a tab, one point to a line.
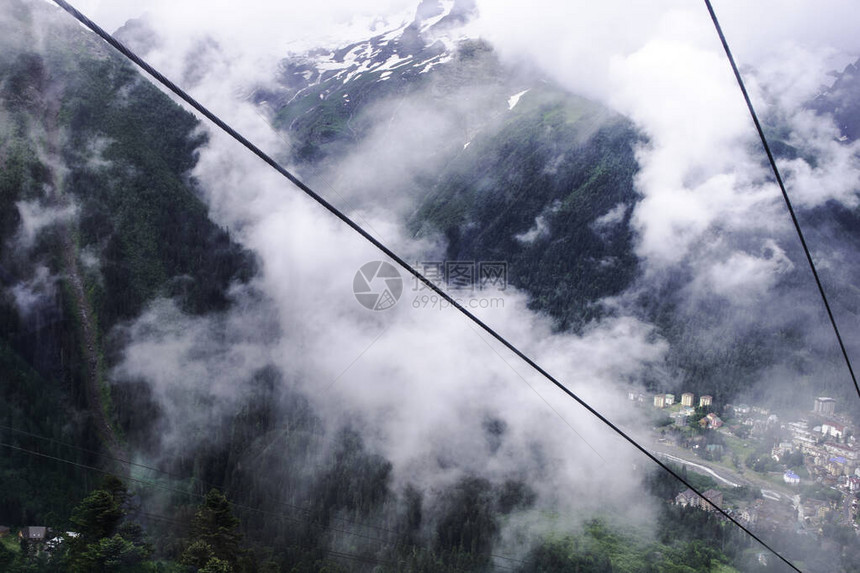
515	99
447	6
435	61
388	36
354	54
365	66
393	62
330	65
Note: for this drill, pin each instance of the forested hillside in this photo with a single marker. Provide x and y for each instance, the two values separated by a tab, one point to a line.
99	217
547	184
163	411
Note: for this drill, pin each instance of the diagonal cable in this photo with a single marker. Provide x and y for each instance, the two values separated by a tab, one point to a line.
119	46
772	160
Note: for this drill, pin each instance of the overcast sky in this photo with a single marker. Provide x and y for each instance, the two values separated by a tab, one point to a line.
754	28
262	25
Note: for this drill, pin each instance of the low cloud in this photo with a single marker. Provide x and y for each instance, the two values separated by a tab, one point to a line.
36	216
35	293
419	383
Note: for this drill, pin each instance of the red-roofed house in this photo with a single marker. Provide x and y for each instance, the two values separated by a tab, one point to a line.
834	429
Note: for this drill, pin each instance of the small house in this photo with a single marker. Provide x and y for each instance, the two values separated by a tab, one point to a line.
713	495
711	421
33	533
687	498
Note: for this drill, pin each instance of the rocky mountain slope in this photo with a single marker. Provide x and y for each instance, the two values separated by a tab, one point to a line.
524	172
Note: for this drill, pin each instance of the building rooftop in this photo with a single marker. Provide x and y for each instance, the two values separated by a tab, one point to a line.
34	532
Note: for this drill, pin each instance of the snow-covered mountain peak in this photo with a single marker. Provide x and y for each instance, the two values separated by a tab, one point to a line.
402	51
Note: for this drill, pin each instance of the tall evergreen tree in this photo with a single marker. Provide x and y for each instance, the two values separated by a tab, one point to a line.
216	541
105	542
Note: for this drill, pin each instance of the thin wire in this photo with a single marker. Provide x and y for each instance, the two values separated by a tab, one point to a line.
93	452
183	492
356	359
179	477
779	181
201	496
232	503
391	254
235	504
188	528
533	389
180	524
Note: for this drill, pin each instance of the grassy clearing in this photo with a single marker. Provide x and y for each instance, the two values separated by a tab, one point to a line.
11	543
742	448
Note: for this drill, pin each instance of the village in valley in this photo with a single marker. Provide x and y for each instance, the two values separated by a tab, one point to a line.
797	472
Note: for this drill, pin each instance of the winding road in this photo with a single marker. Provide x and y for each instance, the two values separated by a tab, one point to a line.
722	474
697	466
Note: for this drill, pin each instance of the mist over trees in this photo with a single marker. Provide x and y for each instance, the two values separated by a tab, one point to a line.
166	312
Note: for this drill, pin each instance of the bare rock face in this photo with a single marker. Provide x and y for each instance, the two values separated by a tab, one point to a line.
428	9
840	99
